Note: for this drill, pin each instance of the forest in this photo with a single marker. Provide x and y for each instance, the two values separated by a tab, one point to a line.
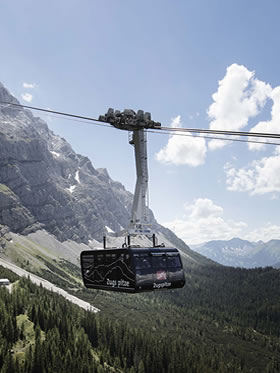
223	320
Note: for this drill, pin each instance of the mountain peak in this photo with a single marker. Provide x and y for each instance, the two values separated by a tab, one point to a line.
241	253
45	184
6	96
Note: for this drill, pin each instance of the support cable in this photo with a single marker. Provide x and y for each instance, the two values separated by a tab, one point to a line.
163	130
212	137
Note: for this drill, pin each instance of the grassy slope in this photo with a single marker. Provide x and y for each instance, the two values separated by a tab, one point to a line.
214	312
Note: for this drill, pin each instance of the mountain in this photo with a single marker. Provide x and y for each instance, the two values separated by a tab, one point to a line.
53	205
46	186
241	253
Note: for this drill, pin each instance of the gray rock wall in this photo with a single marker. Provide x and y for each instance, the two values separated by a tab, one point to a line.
44	184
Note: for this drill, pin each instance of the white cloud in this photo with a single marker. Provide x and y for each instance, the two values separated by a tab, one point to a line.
203	208
29	85
27	97
270	126
239	97
260	177
203	221
182	150
268	232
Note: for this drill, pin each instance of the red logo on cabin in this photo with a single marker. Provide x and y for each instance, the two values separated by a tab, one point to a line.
161	275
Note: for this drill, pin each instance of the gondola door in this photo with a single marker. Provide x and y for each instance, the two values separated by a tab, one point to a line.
161	278
143	271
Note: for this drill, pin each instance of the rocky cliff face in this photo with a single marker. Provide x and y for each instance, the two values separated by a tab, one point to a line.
44	184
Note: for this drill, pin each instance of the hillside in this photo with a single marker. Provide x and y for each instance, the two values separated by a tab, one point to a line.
241	253
209	326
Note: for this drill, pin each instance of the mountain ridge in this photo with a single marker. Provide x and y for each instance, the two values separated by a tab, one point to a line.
45	185
241	253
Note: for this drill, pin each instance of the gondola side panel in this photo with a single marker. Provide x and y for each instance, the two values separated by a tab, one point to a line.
108	270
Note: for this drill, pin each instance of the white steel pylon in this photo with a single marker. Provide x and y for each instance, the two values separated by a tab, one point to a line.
137	123
139	222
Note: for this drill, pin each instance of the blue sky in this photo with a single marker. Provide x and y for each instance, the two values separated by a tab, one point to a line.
202	64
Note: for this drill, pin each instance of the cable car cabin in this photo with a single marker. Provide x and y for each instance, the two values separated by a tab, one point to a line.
132	270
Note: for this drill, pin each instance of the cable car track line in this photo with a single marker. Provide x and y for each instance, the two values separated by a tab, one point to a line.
213	137
52	111
169	131
221	132
157	129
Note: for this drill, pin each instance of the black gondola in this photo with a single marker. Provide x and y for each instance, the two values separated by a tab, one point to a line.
132	269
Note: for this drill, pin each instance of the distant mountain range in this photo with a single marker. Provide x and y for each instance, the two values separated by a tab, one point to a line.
242	253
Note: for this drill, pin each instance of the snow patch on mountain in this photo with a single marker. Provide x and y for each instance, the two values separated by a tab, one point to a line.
77	176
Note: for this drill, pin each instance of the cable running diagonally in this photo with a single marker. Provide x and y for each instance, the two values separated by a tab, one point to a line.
166	130
222	132
52	112
213	138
